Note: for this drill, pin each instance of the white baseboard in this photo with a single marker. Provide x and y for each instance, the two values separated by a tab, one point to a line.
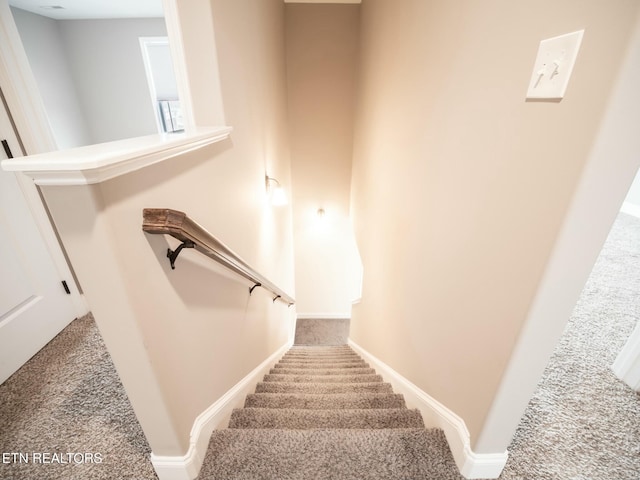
186	467
471	465
630	209
627	364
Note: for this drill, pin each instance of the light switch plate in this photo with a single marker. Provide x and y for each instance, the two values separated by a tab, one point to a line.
553	66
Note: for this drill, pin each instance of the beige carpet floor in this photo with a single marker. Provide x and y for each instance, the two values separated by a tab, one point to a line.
583	423
68	399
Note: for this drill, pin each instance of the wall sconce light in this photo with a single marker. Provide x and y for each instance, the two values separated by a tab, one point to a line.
320	213
275	191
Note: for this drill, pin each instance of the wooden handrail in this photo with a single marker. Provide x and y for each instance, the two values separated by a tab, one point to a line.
165	221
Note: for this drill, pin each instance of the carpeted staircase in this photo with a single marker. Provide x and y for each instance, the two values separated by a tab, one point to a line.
322	413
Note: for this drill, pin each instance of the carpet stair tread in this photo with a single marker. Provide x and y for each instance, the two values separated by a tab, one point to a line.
293	418
310	354
322	371
328	361
324	401
313	365
323	388
320	349
323	413
320	356
317	352
416	454
322	378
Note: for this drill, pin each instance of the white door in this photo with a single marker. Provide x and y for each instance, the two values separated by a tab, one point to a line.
34	306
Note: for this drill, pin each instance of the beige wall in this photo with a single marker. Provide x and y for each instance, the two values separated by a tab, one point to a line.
460	186
322	47
181	339
612	163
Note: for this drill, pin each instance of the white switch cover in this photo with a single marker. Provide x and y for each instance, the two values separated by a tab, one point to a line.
554	63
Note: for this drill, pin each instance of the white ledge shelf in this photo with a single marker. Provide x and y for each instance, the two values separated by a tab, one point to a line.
104	161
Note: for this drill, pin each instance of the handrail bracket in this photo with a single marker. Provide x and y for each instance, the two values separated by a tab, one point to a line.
254	287
172	255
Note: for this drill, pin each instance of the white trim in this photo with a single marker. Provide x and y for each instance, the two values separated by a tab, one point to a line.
98	163
324	316
203	78
176	46
145	43
471	465
630	209
627	364
187	466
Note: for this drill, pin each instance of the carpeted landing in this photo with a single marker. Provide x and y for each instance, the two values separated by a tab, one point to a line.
323	413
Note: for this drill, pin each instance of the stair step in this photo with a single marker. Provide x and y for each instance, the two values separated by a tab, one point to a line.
321	360
323	413
322	378
322	371
322	355
319	401
293	418
320	349
313	365
319	354
325	360
311	350
417	454
324	388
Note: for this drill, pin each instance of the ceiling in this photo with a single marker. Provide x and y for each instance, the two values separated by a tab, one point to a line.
77	9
